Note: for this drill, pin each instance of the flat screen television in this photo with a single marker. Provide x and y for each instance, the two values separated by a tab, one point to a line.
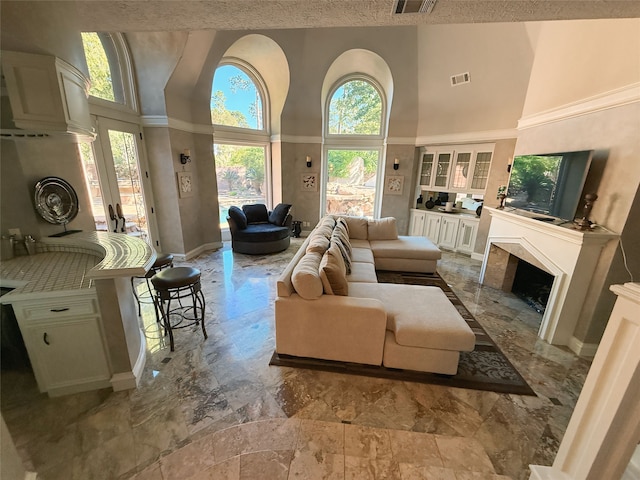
549	184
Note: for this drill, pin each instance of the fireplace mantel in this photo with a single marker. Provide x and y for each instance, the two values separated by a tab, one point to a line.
568	254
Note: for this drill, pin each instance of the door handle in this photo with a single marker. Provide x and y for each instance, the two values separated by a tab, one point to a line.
121	217
113	217
45	338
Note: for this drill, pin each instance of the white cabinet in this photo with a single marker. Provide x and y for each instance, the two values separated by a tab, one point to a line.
467	233
65	343
449	231
461	168
416	223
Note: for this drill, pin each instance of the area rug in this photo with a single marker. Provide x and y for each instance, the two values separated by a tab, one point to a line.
485	368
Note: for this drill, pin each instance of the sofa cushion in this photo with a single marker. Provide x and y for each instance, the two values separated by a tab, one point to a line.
362	272
333	273
238	216
342	232
406	247
279	214
317	243
256	213
363	255
341	221
382	229
419	316
306	276
357	227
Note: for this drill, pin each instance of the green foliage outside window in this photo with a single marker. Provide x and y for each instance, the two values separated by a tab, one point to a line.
355	109
99	71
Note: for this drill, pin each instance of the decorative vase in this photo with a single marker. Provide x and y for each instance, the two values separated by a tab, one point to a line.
297	228
501	197
430	203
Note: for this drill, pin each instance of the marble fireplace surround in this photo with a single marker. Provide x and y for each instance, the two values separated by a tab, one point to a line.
569	255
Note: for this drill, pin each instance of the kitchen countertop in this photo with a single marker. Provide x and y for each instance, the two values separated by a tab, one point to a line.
68	265
459	213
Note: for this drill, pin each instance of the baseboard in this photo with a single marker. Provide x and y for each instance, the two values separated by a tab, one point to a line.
477	256
141	360
30	476
541	472
583	349
207	247
123	381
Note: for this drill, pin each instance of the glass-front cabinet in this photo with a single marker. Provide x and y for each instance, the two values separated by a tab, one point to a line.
455	168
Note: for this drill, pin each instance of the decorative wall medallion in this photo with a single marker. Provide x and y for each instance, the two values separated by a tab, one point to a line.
393	185
185	184
309	182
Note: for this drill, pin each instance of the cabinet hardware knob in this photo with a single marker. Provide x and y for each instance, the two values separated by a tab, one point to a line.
57	310
44	338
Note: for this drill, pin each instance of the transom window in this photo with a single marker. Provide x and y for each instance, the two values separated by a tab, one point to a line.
104	67
236	101
355	109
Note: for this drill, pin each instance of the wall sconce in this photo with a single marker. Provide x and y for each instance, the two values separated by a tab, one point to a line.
509	164
308	161
185	156
396	164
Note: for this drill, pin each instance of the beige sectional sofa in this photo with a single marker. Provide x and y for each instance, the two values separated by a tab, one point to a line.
330	305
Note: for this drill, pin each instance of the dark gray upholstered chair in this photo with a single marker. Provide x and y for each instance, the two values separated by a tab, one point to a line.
256	231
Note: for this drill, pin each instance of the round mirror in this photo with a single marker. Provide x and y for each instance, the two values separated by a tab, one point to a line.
56	201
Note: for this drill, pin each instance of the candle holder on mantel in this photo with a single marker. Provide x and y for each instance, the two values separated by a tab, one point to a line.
585	223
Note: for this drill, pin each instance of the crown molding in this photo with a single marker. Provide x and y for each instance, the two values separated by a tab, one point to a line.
468	137
603	101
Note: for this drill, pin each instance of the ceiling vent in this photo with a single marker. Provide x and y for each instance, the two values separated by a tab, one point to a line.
415	6
460	79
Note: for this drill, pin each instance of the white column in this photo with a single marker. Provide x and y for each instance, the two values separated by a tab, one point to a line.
605	426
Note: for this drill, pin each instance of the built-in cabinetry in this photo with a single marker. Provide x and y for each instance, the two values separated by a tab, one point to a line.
455	168
450	231
64	339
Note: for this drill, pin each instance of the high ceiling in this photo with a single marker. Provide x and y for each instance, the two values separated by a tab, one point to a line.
169	15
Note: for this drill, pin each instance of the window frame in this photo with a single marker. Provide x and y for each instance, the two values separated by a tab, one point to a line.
103	107
354	141
256	78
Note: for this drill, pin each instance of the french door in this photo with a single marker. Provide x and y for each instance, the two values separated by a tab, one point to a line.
117	180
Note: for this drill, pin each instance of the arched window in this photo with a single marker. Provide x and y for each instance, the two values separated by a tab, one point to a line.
239	109
353	148
355	109
236	99
104	65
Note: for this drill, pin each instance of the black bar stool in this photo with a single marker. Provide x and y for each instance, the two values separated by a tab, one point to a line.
164	260
176	284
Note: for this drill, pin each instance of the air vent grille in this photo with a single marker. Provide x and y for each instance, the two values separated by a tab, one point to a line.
460	78
415	6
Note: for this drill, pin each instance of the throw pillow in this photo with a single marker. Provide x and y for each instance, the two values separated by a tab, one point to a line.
346	256
341	231
306	277
343	222
383	229
256	213
318	243
332	272
279	214
238	217
357	227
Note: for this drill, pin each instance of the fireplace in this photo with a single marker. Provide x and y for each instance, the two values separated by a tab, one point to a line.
568	257
533	285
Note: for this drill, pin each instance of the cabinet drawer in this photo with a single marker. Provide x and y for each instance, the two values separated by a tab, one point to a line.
58	308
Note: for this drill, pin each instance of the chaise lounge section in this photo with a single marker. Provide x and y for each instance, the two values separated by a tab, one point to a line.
330	305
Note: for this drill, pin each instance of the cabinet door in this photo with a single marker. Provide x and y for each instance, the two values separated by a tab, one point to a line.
66	353
448	232
432	227
481	171
442	169
416	223
426	169
461	171
467	236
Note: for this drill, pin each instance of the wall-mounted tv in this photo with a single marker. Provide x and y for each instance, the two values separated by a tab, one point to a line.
549	184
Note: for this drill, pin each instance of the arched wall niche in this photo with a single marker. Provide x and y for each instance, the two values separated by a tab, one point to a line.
269	60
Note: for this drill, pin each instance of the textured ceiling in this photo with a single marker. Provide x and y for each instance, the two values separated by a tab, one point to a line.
168	15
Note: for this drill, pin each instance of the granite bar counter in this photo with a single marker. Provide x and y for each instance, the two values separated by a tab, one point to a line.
76	311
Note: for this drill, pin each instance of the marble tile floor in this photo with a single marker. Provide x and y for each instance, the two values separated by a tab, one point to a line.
215	409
